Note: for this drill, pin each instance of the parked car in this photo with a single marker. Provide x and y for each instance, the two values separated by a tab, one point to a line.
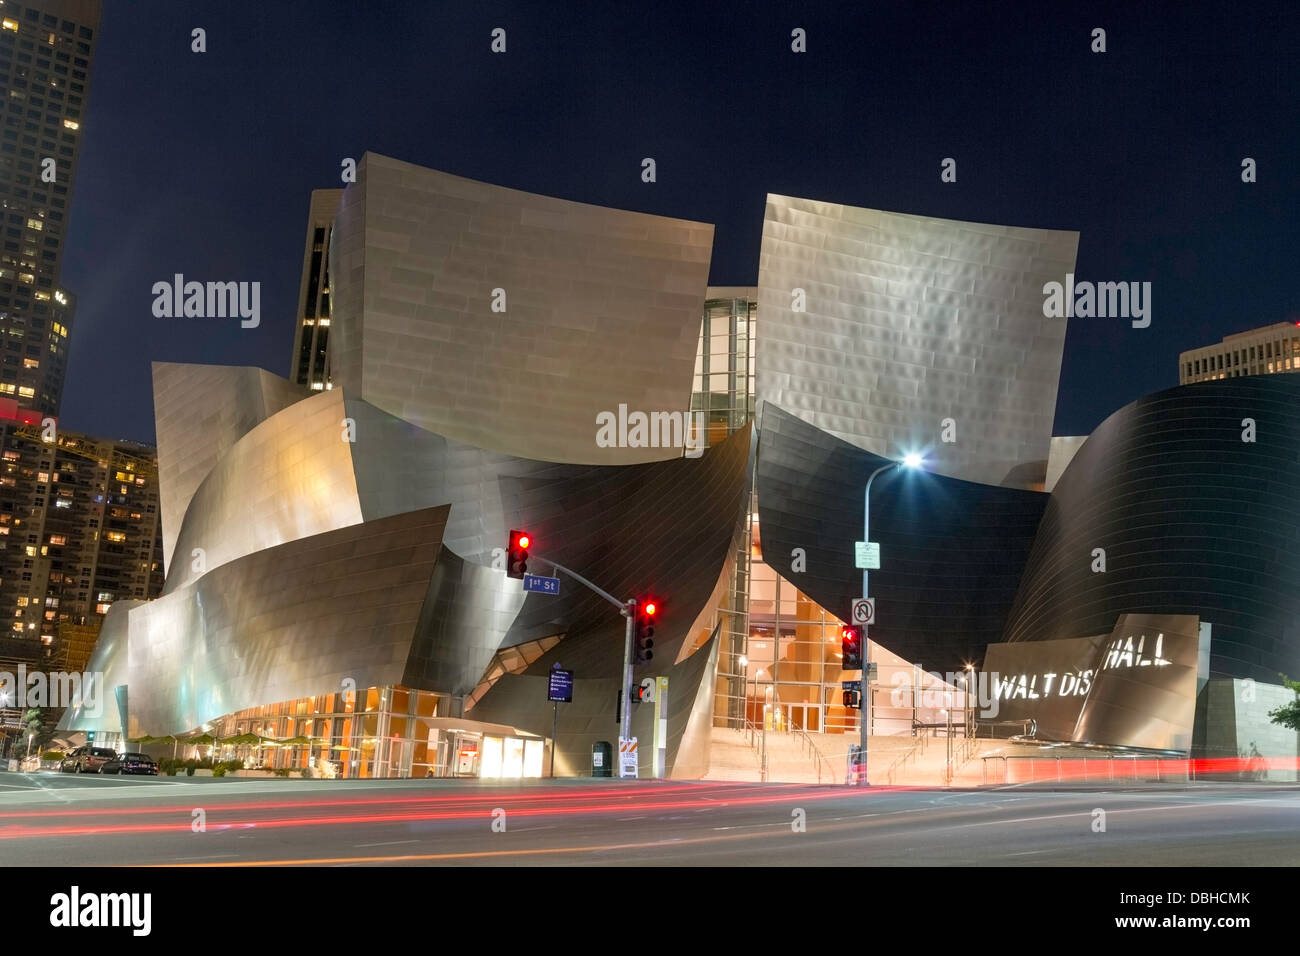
131	763
86	760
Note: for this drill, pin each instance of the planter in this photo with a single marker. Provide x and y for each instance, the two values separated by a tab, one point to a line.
202	773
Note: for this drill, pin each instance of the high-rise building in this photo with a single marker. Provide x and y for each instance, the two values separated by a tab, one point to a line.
310	358
1267	351
79	529
46	50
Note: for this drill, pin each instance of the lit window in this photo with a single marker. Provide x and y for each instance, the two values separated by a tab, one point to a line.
22	601
71	124
31	363
31	551
101	608
58	539
35	224
10	24
115	536
26	391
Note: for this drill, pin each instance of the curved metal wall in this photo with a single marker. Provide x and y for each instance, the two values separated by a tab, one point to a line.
910	320
1192	519
200	412
952	551
602	308
286	622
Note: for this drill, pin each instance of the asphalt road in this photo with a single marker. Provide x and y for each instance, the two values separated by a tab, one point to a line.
50	819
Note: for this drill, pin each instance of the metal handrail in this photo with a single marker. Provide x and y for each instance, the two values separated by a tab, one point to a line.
818	757
911	754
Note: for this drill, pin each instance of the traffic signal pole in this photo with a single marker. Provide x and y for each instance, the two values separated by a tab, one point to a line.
628	610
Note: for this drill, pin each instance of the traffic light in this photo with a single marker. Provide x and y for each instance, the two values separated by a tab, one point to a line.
851	648
646	609
517	554
853	699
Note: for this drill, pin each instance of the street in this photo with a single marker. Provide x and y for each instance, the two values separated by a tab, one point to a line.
51	819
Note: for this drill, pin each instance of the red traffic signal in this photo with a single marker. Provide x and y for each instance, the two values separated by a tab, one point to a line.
851	648
517	554
646	609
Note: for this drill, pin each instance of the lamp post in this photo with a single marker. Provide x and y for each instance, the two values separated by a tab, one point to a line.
909	461
744	691
947	773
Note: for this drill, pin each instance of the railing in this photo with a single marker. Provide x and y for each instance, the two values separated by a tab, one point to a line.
809	749
751	731
1028	726
912	753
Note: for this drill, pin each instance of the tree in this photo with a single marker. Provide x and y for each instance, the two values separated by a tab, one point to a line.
32	734
1288	715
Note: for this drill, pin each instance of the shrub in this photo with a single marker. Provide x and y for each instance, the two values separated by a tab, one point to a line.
164	763
52	755
219	770
171	770
233	765
306	772
282	772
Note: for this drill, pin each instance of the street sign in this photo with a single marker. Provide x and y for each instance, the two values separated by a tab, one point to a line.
864	610
852	684
627	757
647	690
560	687
543	585
866	555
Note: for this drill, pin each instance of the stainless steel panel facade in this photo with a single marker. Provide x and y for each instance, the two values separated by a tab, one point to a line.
910	320
602	308
288	478
200	411
952	552
1132	687
286	622
1192	520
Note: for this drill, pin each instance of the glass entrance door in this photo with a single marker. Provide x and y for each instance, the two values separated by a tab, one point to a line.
806	717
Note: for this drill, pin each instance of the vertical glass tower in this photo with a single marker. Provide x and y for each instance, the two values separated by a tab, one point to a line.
310	355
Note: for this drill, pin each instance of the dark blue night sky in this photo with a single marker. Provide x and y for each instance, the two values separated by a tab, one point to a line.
203	163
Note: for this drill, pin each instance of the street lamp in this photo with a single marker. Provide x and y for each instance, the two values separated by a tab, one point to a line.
910	460
744	691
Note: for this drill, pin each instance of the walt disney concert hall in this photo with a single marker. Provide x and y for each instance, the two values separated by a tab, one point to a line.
334	578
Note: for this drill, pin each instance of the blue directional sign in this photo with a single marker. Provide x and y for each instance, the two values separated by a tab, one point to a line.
561	686
535	582
851	685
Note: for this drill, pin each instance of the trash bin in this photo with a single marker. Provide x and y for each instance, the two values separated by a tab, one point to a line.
602	759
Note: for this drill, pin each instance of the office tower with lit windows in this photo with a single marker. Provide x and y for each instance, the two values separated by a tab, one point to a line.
45	56
310	358
79	529
1265	351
